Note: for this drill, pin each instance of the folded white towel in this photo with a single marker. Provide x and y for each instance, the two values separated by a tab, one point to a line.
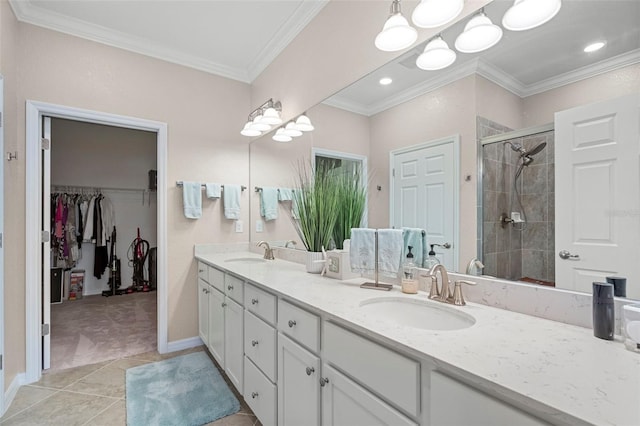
269	203
390	245
192	199
286	194
362	255
231	200
213	190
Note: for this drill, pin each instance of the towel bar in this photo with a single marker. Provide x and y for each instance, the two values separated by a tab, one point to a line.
180	183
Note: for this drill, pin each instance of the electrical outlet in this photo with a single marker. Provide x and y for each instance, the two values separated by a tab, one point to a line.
238	226
259	225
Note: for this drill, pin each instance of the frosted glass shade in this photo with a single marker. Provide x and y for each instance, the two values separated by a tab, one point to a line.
248	131
436	55
396	34
435	13
479	34
258	124
280	136
291	130
527	14
271	117
304	124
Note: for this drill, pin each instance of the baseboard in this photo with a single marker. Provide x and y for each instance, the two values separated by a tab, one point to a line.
179	345
12	390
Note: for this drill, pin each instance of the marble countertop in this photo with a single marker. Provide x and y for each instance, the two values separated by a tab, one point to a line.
560	371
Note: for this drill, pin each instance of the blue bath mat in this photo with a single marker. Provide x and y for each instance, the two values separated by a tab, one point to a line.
185	390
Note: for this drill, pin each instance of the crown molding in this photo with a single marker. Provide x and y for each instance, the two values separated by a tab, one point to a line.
304	13
26	12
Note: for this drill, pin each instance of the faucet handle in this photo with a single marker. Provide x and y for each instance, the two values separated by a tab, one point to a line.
458	298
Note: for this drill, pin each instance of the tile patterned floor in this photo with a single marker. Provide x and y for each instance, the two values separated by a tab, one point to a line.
94	395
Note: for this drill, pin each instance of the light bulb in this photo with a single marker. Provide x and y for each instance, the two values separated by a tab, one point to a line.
271	117
248	131
304	124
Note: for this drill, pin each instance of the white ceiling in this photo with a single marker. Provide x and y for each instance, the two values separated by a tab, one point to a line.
237	39
524	62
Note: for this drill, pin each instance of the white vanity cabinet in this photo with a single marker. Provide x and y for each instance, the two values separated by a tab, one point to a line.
203	310
298	366
260	365
455	403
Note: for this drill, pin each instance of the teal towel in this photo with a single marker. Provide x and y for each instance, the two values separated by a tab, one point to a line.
269	203
286	194
192	199
231	200
416	238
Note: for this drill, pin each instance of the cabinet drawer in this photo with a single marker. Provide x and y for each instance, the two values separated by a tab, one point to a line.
259	394
389	374
260	302
216	278
203	271
233	287
260	344
303	326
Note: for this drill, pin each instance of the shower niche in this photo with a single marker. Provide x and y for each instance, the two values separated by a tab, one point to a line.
516	190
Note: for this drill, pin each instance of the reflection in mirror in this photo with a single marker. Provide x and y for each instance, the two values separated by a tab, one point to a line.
519	83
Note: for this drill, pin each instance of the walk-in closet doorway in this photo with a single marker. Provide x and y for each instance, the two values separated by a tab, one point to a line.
38	294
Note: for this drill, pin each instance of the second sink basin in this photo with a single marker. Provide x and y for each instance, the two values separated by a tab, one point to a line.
423	314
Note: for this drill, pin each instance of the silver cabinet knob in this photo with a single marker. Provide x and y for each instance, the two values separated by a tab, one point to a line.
310	370
229	287
254	343
224	304
200	270
291	323
564	254
323	381
254	301
254	395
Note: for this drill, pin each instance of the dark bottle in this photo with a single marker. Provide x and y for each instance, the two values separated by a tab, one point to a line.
603	311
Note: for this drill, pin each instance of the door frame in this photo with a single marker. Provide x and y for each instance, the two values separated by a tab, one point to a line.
2	389
455	141
35	110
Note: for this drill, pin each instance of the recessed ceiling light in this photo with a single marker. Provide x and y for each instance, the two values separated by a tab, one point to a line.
594	46
385	81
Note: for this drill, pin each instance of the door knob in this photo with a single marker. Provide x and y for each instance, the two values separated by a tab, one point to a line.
564	254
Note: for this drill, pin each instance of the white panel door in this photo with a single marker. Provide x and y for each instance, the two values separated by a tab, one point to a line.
425	193
298	384
46	245
597	179
2	247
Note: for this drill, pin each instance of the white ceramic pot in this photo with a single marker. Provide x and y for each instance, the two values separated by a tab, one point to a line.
311	261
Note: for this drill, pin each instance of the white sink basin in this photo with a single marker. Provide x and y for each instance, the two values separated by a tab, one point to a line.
423	314
246	260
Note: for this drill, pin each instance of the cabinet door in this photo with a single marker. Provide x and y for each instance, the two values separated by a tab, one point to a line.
298	385
233	344
449	395
203	311
216	325
345	403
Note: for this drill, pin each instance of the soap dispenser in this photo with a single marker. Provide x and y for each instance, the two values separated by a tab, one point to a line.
409	283
432	260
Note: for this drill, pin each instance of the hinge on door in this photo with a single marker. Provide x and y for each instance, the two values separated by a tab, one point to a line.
0	118
393	172
44	144
1	362
45	329
45	236
0	239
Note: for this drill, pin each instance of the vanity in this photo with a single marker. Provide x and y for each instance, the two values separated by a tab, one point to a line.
304	349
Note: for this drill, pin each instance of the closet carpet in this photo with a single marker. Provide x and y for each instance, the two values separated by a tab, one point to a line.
97	328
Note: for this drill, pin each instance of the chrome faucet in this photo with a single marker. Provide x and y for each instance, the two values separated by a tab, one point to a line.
268	251
293	243
475	264
443	293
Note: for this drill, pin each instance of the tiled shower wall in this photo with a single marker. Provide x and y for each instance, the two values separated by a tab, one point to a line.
508	252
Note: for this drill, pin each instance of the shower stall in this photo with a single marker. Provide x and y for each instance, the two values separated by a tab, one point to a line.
516	194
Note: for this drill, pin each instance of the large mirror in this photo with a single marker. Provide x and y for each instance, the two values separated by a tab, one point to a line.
518	84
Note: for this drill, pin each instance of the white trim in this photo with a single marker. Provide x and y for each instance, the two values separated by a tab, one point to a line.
347	156
2	271
12	390
26	11
34	112
455	140
188	343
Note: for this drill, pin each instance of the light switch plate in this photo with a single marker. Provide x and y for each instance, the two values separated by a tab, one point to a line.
259	225
238	226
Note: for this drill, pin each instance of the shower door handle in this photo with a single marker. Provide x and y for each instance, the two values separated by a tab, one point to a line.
564	254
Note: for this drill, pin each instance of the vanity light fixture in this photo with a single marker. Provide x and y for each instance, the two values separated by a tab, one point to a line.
434	13
436	56
594	46
527	14
385	81
262	119
291	130
304	124
396	33
280	136
479	34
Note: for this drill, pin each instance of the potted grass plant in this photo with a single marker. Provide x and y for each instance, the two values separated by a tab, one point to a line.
316	209
352	198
